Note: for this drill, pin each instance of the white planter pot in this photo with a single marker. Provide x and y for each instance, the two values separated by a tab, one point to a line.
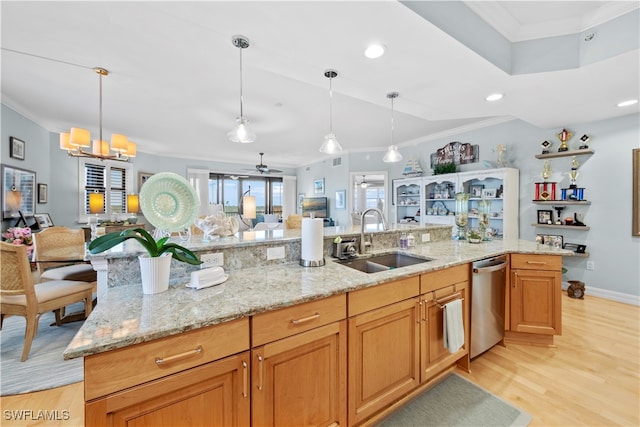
155	273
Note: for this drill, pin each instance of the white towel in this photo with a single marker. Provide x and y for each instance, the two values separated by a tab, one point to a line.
207	277
453	326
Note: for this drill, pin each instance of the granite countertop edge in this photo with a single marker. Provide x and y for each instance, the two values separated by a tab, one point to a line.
125	317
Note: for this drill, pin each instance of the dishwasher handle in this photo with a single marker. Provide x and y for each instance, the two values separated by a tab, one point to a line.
489	269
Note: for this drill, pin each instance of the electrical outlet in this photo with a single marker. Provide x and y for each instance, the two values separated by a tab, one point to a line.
212	260
591	265
275	253
426	237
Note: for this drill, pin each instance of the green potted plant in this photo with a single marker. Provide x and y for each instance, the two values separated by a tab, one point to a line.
155	265
444	168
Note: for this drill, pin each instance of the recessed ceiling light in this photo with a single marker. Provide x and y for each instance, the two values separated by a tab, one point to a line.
374	51
628	102
494	97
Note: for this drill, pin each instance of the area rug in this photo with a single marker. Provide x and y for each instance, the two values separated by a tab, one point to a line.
456	402
44	368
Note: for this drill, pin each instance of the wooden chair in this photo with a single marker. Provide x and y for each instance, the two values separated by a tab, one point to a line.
20	297
293	221
62	245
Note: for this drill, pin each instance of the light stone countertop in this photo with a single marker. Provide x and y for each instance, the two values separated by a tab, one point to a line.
124	316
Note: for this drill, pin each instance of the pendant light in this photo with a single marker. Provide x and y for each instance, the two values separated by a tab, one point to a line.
78	139
392	155
330	144
241	132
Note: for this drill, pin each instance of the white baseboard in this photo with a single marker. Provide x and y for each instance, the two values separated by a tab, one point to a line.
610	295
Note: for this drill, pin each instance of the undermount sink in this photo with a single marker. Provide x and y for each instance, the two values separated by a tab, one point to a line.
384	262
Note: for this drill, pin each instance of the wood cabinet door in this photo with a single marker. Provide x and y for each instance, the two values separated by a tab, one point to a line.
214	394
434	356
383	357
301	380
535	301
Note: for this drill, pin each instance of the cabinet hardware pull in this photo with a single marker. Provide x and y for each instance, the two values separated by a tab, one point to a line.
260	371
175	357
305	319
244	379
451	297
537	262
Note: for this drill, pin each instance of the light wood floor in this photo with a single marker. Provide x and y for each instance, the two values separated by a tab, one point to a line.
591	378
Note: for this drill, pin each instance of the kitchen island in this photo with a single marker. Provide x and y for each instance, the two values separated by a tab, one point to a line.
242	317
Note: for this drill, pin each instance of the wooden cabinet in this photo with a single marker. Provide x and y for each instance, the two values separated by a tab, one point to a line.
383	346
299	379
195	378
535	297
439	288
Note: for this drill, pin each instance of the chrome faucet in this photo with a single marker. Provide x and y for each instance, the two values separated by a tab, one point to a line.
383	221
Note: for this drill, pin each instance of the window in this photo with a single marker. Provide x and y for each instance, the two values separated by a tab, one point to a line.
227	191
111	178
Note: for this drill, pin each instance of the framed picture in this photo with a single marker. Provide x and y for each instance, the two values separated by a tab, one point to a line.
476	190
341	197
545	217
553	240
43	197
575	247
318	186
16	148
18	192
142	178
43	220
488	193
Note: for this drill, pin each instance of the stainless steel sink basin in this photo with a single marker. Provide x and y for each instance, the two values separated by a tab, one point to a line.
384	262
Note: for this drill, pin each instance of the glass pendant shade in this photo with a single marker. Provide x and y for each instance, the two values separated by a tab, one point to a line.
242	133
330	144
392	155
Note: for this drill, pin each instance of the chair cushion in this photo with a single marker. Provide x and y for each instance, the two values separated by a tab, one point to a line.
80	272
47	291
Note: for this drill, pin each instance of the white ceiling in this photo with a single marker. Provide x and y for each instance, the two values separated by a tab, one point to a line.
173	86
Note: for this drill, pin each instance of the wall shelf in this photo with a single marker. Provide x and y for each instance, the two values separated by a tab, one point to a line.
577	255
567	227
562	202
565	154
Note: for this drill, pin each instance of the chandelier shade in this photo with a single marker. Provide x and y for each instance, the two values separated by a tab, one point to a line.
78	140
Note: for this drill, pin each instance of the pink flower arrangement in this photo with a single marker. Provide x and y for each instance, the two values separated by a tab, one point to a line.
19	236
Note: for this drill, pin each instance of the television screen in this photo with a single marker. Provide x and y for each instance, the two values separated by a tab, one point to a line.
317	205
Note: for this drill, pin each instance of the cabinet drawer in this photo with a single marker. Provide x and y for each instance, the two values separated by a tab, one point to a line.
441	278
378	296
536	262
274	325
119	369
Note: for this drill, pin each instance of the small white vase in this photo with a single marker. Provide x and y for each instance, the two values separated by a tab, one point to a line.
155	273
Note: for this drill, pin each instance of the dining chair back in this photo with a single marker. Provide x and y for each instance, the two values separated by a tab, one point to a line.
59	252
20	297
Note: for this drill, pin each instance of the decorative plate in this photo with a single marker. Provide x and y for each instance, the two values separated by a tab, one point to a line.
169	202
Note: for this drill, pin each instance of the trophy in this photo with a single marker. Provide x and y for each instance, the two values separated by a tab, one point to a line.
564	136
546	190
583	145
573	173
546	145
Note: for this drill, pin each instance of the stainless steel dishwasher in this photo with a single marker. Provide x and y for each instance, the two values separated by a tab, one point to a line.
487	303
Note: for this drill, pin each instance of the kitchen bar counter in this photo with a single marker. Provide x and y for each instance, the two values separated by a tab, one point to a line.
124	316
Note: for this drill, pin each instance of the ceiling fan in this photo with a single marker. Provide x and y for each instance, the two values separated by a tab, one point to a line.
262	168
